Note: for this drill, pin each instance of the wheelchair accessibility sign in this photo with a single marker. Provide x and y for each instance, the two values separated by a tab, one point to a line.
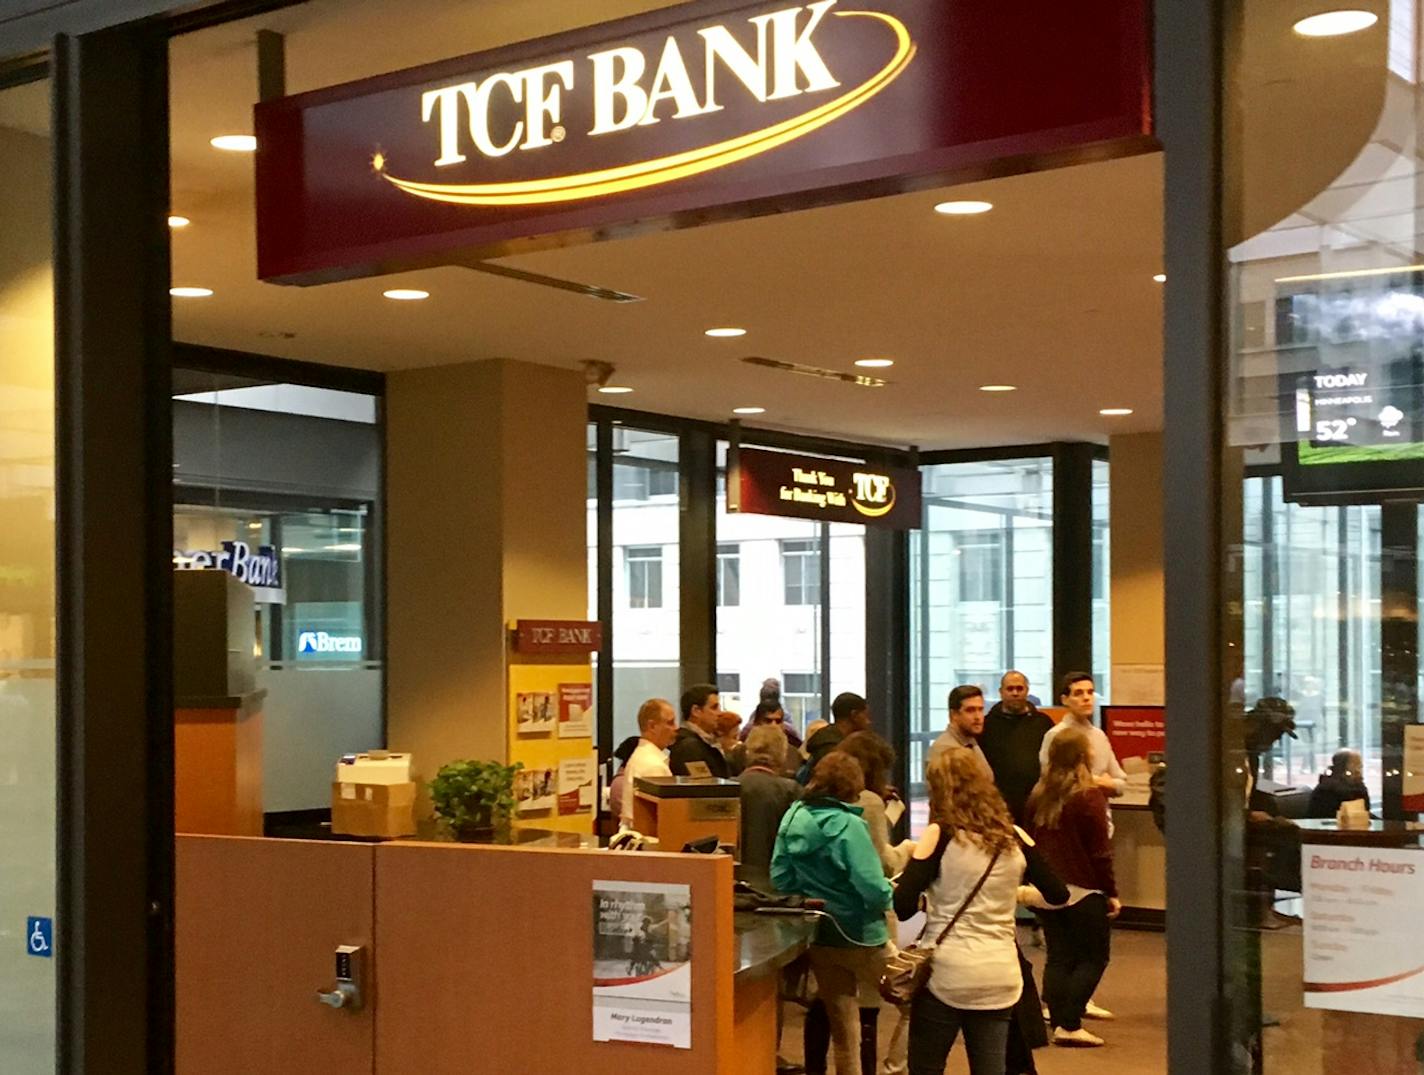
39	937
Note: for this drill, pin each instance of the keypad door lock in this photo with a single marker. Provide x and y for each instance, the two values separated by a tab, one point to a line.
349	994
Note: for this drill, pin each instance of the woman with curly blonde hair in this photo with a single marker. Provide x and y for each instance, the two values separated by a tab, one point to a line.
968	863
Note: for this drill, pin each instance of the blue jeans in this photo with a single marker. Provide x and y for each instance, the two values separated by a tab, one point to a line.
934	1026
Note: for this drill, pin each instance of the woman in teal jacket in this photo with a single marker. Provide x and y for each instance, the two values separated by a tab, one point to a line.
824	851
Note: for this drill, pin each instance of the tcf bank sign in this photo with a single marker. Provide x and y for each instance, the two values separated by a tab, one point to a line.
747	108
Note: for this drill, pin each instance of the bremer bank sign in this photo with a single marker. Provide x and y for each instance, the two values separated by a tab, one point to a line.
702	111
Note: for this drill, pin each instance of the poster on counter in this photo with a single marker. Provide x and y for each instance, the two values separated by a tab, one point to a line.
575	710
534	790
642	963
535	713
1364	951
576	784
1413	800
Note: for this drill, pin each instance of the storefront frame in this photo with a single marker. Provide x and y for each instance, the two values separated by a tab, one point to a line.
1192	120
115	902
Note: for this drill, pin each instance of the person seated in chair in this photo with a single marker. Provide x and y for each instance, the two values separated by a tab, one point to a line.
1345	782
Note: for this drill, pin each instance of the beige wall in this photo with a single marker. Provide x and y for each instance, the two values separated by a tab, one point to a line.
486	485
1136	567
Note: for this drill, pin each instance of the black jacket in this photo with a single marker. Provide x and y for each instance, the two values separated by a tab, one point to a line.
691	747
822	743
1011	745
1333	791
765	799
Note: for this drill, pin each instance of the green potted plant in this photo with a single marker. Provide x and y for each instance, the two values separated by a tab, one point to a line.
472	797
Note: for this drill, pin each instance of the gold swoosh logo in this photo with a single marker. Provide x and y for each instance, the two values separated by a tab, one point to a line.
876	513
662	170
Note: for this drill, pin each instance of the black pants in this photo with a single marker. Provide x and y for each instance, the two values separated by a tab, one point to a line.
934	1026
816	1039
1079	940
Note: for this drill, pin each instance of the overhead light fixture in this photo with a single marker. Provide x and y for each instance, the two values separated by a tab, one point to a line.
1115	412
875	363
998	388
1349	274
235	143
1336	23
406	294
615	390
963	208
290	550
190	292
344	547
178	221
1160	278
748	410
725	333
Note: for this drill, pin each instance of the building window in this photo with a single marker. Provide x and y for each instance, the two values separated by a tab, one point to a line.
801	697
801	572
643	481
644	565
729	575
980	555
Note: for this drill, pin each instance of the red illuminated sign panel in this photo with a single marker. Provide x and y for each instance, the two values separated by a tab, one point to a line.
722	108
828	490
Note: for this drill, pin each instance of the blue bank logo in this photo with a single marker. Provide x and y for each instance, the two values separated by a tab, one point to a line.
320	643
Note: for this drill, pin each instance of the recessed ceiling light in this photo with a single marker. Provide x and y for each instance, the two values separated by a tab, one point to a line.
615	390
178	222
1336	23
725	333
235	143
1115	412
190	292
748	410
1160	278
998	388
963	208
406	294
875	363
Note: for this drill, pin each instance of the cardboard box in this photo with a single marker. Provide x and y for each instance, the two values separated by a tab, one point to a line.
364	769
373	809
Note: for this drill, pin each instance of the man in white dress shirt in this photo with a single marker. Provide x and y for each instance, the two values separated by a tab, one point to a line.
1079	696
657	728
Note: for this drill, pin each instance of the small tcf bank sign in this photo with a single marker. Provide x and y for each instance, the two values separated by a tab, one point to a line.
557	636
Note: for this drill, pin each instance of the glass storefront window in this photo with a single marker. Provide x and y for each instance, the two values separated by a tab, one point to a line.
255	483
1102	584
981	589
791	575
646	605
1324	438
27	595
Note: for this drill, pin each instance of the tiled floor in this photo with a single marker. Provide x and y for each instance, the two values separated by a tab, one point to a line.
1135	988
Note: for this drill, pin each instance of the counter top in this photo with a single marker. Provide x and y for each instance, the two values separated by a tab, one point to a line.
1375	833
688	787
766	943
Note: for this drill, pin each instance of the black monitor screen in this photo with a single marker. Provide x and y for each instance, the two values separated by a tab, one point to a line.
1355	420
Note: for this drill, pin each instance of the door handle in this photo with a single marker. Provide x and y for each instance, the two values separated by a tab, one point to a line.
350	980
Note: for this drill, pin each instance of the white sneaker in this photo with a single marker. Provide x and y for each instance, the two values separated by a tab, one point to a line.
1092	1011
1047	1018
1080	1039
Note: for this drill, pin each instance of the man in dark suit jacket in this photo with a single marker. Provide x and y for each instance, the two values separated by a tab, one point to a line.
695	751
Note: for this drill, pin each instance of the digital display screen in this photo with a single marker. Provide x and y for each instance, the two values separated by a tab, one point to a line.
1352	389
1349	414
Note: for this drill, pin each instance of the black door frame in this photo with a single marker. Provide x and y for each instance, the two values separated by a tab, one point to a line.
114	905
